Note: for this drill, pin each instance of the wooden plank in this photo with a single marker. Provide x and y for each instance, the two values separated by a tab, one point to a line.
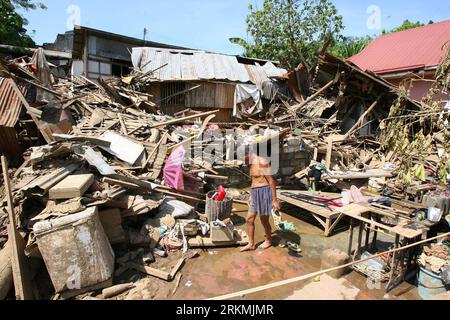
333	226
176	268
356	211
200	242
310	99
358	123
71	187
181	120
122	124
360	175
320	221
20	265
136	184
329	153
316	209
150	271
350	237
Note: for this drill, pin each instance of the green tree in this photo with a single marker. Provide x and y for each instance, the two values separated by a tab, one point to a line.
406	25
350	46
291	31
12	23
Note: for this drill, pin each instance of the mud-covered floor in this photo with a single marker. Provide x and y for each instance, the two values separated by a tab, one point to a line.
222	271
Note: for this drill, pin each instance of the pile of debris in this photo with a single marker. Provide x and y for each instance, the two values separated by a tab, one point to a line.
112	171
360	127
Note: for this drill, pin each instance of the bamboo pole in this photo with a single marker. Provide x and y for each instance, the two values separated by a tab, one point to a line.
319	273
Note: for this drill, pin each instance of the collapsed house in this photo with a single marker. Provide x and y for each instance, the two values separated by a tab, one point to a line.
126	163
199	80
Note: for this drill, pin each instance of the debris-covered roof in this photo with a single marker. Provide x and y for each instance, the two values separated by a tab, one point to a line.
190	65
412	49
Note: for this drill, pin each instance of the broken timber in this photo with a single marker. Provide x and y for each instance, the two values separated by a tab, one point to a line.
181	120
21	272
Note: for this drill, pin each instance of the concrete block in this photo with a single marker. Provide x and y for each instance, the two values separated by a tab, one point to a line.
71	187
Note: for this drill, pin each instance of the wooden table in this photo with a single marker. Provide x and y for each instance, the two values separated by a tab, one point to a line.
326	215
369	221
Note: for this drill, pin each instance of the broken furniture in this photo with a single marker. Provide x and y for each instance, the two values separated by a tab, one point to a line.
405	232
76	252
327	216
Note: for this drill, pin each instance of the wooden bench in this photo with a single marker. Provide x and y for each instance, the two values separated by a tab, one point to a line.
326	215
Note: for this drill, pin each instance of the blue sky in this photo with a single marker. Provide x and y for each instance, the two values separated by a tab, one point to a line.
208	24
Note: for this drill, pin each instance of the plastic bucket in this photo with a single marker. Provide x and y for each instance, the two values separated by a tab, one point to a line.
430	284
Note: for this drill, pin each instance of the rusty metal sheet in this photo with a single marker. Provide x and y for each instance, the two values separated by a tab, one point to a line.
190	65
10	104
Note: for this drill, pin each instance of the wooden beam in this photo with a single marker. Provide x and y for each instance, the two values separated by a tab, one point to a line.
295	109
361	119
20	266
176	121
176	268
150	271
136	184
329	153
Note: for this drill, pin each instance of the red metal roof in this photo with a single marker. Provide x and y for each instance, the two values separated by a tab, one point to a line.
407	50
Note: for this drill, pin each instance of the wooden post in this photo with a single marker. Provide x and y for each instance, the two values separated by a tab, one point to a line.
366	243
295	109
361	119
358	245
329	153
350	239
20	266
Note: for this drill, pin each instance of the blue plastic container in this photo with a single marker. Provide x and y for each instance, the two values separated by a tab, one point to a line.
430	284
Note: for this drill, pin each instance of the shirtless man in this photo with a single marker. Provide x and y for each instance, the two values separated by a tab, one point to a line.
263	198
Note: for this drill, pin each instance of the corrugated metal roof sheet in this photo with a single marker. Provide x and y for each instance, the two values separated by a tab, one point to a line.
190	65
406	50
10	104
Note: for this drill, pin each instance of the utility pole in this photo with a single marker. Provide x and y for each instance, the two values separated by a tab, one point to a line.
145	34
